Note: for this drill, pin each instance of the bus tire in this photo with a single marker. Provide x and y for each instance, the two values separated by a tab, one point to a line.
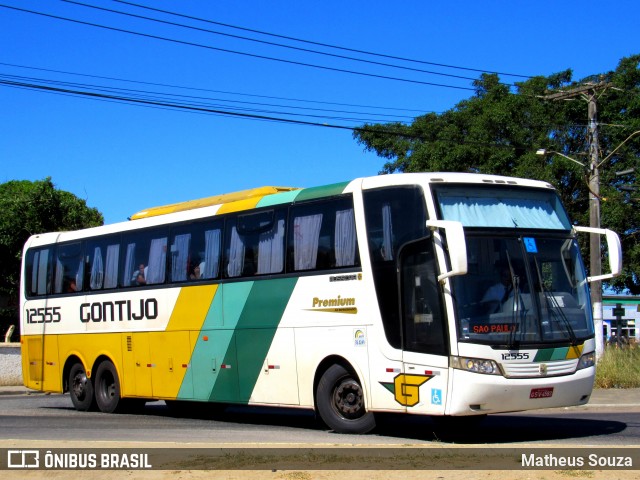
340	402
107	387
81	388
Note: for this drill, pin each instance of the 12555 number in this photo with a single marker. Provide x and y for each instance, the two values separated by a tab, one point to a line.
43	315
515	356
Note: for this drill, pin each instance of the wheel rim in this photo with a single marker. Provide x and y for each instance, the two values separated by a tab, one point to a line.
108	386
79	385
348	399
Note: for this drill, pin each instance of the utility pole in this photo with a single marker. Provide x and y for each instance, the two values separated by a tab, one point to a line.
589	93
594	221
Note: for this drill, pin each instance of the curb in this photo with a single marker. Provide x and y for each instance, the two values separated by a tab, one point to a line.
5	391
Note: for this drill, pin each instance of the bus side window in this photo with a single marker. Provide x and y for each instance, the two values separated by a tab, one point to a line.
322	236
145	259
195	251
254	244
38	271
69	271
210	264
101	266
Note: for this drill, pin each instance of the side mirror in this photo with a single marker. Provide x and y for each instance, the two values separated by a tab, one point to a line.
613	247
456	244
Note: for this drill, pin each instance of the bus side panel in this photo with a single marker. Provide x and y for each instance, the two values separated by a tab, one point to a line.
32	361
156	363
214	367
136	366
88	347
329	316
231	351
170	353
52	381
256	329
277	380
385	372
348	342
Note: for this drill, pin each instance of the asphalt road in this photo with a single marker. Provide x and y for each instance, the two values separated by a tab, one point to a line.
51	417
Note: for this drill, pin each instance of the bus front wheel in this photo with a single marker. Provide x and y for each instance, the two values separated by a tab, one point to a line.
107	386
340	402
80	388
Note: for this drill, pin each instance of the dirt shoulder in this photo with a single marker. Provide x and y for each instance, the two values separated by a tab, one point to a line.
461	462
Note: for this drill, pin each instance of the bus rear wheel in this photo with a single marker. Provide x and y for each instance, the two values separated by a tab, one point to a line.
80	388
340	402
107	386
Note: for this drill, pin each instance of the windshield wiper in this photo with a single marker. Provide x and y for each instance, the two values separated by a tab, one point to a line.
515	315
554	308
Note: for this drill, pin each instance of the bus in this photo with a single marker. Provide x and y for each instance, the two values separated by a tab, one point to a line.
439	294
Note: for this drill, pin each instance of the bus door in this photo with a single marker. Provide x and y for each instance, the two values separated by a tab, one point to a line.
38	314
425	344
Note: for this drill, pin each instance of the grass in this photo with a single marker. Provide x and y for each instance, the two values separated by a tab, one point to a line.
619	367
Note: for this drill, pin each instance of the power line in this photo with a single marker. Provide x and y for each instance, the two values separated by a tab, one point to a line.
320	43
112	94
204	101
199	101
235	52
225	92
264	42
177	106
199	109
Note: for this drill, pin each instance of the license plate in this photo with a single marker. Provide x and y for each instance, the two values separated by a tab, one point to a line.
541	392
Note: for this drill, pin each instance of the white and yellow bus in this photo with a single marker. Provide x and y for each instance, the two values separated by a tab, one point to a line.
432	293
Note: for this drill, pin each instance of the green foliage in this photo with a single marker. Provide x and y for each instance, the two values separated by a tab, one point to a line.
28	208
498	131
619	368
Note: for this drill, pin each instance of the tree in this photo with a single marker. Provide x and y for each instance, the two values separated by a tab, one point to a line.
28	208
499	129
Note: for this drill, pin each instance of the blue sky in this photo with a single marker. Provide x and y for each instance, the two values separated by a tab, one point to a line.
123	158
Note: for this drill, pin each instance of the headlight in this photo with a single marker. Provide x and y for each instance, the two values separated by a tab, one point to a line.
587	360
476	365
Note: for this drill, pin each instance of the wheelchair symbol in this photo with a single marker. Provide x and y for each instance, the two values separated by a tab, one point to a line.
436	396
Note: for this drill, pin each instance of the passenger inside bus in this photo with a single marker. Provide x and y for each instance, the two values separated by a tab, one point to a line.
139	276
498	293
196	271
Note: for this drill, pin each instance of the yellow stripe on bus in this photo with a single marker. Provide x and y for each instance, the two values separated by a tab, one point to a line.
223	199
191	308
173	348
239	206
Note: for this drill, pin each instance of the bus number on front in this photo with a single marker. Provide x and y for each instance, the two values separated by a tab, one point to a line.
515	356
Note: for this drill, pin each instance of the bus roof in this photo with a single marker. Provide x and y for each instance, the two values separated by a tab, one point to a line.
270	195
256	194
209	201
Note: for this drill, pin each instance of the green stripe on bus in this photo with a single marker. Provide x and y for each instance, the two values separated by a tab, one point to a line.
323	191
550	354
278	199
254	328
560	353
257	327
211	352
543	355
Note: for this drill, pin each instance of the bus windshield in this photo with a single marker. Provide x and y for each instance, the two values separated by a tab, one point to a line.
523	290
526	283
502	207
